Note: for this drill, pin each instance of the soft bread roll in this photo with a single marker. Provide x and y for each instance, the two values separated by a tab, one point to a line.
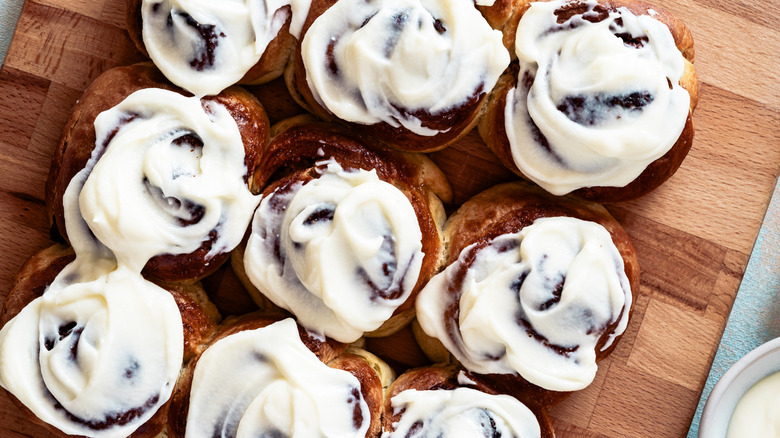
264	363
87	334
537	291
433	400
413	74
332	199
620	126
259	42
206	212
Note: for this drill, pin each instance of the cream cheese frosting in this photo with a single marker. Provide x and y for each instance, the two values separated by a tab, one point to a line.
596	101
205	46
462	412
167	173
96	358
533	303
380	61
341	252
265	382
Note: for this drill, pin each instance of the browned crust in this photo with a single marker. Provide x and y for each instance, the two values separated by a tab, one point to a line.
508	208
300	142
492	126
199	318
270	66
655	174
370	387
330	352
499	14
457	121
78	141
504	15
134	24
445	378
237	265
34	277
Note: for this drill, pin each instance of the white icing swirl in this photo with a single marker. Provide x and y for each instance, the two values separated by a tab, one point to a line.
462	412
533	303
165	175
96	358
265	382
206	46
605	99
391	58
341	252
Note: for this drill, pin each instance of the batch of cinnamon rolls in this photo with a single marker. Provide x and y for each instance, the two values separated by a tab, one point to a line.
339	226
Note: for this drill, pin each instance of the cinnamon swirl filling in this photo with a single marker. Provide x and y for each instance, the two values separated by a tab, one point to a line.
538	303
598	95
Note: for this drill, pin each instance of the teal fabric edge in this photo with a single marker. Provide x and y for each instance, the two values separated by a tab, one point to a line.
10	10
755	315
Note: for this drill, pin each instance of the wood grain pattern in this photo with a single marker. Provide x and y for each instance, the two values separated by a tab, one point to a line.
693	235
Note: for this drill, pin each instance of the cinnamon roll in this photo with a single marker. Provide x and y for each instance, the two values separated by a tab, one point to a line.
154	178
345	234
600	100
205	47
537	290
97	358
443	401
262	376
412	73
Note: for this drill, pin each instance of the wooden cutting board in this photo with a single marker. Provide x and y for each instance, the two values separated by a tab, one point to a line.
693	235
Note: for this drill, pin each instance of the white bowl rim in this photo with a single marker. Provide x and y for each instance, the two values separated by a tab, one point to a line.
706	430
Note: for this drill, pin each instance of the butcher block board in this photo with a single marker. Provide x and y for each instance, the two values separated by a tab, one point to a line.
693	236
